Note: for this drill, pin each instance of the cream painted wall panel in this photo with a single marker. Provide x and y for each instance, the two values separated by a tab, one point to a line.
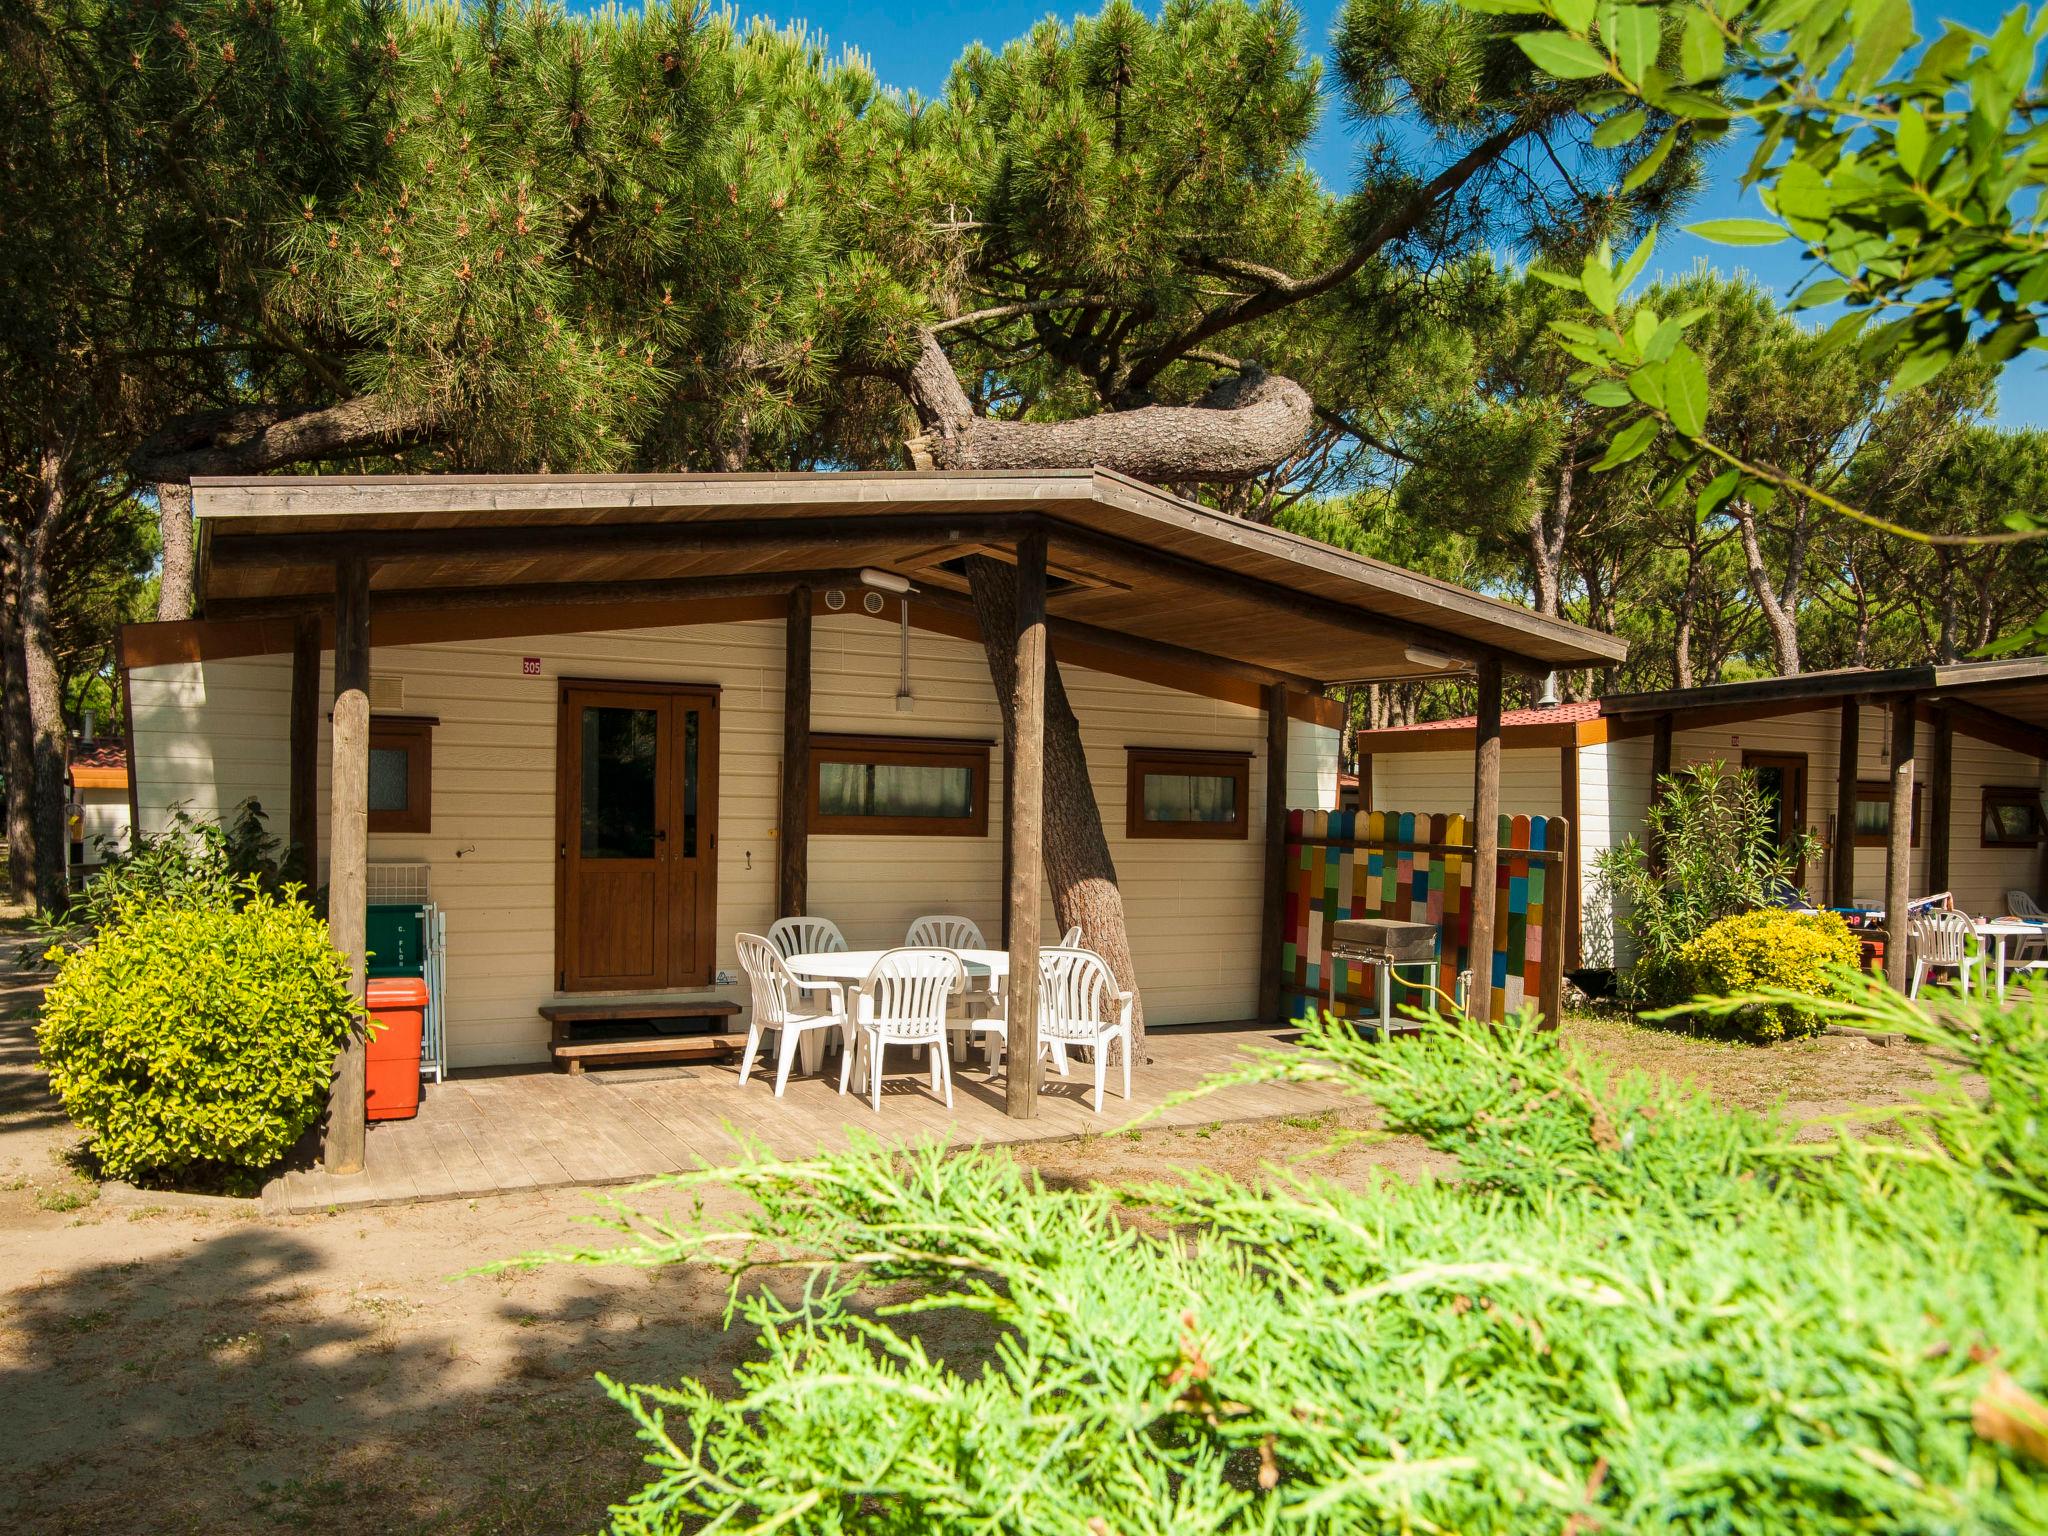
215	732
1312	766
1441	782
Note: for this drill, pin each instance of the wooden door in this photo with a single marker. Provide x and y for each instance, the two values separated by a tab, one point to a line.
637	822
1781	776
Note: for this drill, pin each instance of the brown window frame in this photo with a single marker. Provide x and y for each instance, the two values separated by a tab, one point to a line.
910	751
1879	792
2010	794
413	735
1139	761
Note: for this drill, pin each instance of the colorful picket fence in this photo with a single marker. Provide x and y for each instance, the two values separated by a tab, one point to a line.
1418	868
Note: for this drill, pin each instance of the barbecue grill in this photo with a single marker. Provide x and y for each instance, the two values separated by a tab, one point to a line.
1388	946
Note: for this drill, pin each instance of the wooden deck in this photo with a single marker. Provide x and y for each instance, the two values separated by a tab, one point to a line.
495	1133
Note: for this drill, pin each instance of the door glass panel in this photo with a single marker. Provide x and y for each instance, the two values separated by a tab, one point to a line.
620	747
689	783
1771	783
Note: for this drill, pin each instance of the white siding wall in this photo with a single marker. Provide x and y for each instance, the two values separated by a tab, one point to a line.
211	734
1441	782
105	821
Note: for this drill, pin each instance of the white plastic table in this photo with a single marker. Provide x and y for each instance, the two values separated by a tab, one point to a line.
2000	929
853	965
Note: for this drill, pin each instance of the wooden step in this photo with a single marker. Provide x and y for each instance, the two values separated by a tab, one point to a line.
626	1009
572	1056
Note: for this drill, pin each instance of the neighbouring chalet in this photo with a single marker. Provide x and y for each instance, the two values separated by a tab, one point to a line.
1965	743
792	663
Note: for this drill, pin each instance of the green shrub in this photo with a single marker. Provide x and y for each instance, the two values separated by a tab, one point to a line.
1715	828
1637	1311
1793	952
197	1039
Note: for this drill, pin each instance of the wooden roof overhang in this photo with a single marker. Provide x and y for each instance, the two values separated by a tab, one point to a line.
1130	565
2005	701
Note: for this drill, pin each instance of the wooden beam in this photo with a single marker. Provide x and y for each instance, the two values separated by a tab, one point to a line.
348	839
1939	793
1136	646
548	594
1485	837
1660	770
1024	810
1574	871
1289	602
706	536
1898	857
1848	755
793	858
303	841
1273	906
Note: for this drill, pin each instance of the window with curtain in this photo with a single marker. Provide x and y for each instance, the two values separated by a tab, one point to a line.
1874	813
2012	817
1172	793
900	786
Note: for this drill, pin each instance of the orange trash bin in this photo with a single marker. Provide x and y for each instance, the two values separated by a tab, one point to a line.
392	1086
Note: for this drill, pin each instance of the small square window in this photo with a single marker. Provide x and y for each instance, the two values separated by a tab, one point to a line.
401	775
1874	813
2012	817
1187	794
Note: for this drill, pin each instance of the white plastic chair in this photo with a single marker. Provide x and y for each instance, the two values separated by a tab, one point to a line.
944	933
2022	904
1072	938
779	1006
806	936
1942	938
1079	1005
904	1002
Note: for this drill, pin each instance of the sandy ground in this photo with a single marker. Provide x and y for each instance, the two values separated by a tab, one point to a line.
172	1370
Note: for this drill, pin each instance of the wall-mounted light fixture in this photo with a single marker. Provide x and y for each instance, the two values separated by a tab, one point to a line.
1422	656
885	581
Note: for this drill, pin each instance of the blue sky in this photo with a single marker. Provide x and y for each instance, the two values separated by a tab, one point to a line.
912	45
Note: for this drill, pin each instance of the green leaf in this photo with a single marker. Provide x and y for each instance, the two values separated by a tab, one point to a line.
1647	166
1738	231
1619	130
1919	368
1596	278
1629	443
1886	32
1575	14
1564	57
1702	51
1685	390
1608	392
1910	140
1564	280
1800	192
1647	385
1635	38
1638	259
1718	491
1826	291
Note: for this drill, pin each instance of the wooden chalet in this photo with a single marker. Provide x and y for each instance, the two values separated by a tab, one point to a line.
435	669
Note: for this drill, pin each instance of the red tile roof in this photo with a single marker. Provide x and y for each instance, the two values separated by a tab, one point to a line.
1557	714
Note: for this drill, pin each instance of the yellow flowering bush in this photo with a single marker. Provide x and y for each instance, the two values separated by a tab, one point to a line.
197	1039
1769	948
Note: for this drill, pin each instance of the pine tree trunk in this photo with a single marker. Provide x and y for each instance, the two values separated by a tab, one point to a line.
1681	629
49	740
15	739
1546	542
1778	605
1077	861
174	521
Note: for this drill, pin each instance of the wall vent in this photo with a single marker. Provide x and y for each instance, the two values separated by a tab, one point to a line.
387	693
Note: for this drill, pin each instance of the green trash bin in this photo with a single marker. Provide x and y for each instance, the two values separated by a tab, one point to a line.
396	936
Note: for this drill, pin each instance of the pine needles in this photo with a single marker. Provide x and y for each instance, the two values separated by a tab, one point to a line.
1638	1310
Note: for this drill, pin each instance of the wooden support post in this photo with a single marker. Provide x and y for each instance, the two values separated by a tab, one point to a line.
1009	854
1898	858
1273	906
1024	810
793	858
1849	753
1941	774
1660	770
1574	953
348	841
303	844
1485	837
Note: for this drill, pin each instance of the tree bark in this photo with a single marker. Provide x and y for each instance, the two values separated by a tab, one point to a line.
1546	542
1078	865
18	744
1240	429
49	740
1779	603
254	442
1681	627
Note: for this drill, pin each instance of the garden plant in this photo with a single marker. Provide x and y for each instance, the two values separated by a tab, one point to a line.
194	1021
1716	855
1633	1310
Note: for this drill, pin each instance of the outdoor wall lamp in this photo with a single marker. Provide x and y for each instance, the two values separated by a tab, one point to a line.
1424	657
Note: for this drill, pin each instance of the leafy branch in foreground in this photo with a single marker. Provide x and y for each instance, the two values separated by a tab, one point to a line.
1635	1310
1911	169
